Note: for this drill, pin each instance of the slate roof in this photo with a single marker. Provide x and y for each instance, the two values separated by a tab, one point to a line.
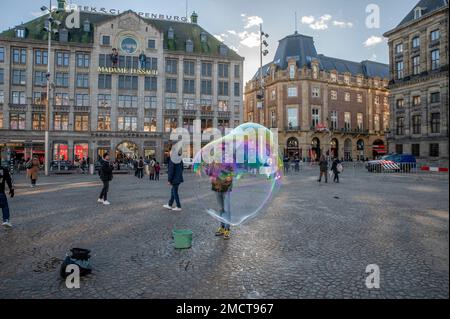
302	49
428	6
182	33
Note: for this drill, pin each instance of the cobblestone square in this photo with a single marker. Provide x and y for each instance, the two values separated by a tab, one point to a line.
311	241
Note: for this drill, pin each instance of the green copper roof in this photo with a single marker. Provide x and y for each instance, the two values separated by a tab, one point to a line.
182	33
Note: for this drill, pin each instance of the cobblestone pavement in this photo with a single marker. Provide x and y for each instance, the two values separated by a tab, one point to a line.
312	240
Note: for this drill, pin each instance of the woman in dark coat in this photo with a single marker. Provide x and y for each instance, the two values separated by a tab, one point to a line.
106	175
323	165
334	168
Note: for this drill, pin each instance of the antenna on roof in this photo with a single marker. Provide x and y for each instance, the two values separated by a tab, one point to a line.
296	29
187	8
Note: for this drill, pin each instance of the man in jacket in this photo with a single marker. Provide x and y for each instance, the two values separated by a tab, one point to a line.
175	178
106	175
323	164
5	178
335	167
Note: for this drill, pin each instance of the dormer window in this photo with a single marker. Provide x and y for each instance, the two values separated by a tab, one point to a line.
86	26
223	50
21	33
170	34
417	13
416	42
189	46
203	37
64	35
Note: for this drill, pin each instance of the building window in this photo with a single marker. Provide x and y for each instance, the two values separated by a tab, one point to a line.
19	77
2	54
83	60
399	48
416	100
104	81
416	42
128	101
106	40
151	44
206	69
435	123
171	103
82	100
435	59
171	85
127	123
315	92
171	66
273	119
151	64
19	56
416	124
40	78
170	124
360	121
333	77
189	104
81	123
376	122
129	62
189	68
415	150
400	125
2	97
417	13
40	98
400	71
149	124
104	123
237	71
400	103
334	120
359	98
2	76
17	121
434	150
223	70
150	102
435	97
237	89
435	35
292	118
40	57
127	82
416	65
189	86
399	149
18	98
222	105
206	87
62	79
385	122
347	97
292	72
334	95
62	59
347	120
83	80
62	99
61	122
222	88
104	100
38	121
292	91
315	117
1	120
151	83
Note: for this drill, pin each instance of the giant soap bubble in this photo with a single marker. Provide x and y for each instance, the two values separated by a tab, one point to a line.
244	167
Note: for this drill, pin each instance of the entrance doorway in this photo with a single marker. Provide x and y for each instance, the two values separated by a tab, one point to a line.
378	149
348	150
292	148
315	152
334	148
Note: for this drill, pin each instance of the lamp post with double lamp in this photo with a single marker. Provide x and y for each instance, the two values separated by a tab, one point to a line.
50	22
262	52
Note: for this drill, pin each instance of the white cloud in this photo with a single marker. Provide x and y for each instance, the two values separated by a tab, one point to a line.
372	41
232	32
252	21
308	19
373	57
243	14
232	47
219	37
317	24
342	24
249	39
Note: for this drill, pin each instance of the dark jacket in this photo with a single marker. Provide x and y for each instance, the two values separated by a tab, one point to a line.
323	165
5	178
106	170
334	166
175	173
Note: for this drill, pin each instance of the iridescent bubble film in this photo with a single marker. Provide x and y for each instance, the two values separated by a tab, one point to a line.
242	166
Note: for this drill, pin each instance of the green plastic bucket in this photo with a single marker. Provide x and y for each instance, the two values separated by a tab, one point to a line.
182	238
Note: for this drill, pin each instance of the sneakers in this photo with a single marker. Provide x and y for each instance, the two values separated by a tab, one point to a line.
226	234
100	200
220	231
167	206
7	224
177	209
105	202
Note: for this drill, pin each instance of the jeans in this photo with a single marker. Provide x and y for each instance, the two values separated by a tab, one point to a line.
104	193
140	173
157	176
4	206
224	201
336	177
174	196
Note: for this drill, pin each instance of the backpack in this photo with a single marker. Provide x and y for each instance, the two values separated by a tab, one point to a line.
339	168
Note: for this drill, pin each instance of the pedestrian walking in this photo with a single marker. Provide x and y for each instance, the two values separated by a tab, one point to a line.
336	168
5	179
140	168
135	167
175	178
151	169
33	170
106	175
323	166
157	170
286	164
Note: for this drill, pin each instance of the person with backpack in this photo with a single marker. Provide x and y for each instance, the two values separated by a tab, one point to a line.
157	170
140	168
5	179
106	175
336	168
323	166
33	170
174	178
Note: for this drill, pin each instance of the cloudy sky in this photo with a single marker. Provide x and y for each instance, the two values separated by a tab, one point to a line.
339	27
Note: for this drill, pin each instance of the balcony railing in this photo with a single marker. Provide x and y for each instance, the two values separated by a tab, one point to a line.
292	128
224	114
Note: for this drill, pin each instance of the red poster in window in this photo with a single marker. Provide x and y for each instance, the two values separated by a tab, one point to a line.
81	151
62	152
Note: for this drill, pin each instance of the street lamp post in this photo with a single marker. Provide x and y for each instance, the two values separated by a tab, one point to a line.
50	31
262	52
